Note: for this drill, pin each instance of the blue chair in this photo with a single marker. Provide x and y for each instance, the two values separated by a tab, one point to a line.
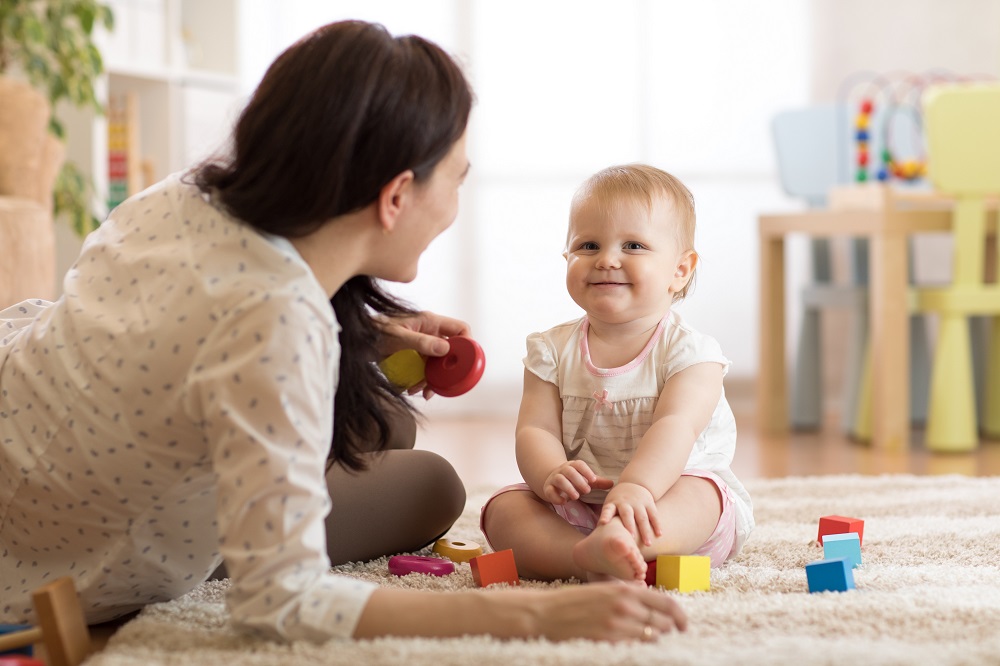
813	154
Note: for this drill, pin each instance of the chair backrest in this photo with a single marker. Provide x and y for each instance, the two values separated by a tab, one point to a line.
962	125
811	145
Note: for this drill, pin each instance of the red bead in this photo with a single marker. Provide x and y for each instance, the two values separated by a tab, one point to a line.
457	371
866	106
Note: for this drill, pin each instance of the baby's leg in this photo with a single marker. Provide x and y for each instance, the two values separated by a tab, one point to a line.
689	512
610	552
542	540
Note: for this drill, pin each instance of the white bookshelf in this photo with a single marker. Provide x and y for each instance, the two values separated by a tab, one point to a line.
180	59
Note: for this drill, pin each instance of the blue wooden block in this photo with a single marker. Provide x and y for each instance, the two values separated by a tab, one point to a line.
836	575
843	545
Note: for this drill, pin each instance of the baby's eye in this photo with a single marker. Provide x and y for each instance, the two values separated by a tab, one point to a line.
589	245
633	245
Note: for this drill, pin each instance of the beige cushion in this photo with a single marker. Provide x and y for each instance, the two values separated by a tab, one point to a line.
27	251
24	120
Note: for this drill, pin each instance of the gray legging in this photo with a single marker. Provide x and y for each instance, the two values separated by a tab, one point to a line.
404	501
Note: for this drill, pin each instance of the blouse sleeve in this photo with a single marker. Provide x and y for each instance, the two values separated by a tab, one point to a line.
264	390
540	359
687	347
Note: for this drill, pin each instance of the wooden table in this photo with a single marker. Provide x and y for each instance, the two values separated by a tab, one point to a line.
887	218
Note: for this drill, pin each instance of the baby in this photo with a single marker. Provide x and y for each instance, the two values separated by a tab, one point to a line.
624	436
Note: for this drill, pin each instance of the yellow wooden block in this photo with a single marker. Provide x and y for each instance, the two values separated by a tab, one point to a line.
684	573
405	368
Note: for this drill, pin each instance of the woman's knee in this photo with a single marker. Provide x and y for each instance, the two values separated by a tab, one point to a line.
443	490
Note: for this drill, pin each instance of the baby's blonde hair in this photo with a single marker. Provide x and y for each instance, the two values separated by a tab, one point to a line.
645	185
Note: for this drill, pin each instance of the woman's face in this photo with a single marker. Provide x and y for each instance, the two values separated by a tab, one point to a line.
434	209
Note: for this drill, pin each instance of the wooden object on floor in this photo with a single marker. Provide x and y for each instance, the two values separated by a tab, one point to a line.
840	525
843	545
495	567
61	628
683	573
457	551
836	575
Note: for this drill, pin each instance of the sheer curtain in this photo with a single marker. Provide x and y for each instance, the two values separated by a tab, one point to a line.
565	88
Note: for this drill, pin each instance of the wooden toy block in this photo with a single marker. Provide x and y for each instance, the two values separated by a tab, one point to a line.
493	568
684	573
836	575
841	525
62	628
651	573
843	545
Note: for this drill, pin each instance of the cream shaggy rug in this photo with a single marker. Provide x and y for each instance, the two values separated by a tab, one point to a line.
928	593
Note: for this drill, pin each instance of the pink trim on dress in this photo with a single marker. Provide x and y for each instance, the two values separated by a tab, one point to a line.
614	372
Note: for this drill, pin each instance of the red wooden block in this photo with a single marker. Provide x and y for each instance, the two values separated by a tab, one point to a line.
493	568
651	573
841	525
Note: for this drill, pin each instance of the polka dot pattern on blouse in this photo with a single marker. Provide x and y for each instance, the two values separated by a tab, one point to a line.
174	407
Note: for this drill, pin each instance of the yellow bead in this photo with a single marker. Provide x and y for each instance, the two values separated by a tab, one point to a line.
405	368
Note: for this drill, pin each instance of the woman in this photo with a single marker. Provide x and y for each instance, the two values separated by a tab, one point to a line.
174	409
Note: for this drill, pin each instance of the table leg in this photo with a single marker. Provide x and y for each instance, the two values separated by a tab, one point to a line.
890	341
772	387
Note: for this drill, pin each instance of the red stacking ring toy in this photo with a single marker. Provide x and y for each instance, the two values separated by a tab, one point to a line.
457	371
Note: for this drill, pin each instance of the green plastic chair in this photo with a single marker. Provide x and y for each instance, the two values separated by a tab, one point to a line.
962	125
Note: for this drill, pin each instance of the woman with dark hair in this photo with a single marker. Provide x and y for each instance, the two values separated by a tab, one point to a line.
194	399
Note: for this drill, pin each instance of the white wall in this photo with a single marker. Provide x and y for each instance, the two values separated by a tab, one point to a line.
566	87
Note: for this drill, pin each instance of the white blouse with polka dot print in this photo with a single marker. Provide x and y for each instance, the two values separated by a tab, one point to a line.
174	407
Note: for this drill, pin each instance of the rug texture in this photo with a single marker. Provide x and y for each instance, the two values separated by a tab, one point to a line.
927	593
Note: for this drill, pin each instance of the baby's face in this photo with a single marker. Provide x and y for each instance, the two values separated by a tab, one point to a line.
622	260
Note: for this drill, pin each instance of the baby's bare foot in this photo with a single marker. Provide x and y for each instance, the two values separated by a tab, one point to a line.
610	552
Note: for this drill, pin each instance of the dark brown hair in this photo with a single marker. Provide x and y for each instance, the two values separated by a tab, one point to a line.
337	116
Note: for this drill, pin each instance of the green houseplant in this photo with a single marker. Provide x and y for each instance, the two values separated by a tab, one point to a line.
50	43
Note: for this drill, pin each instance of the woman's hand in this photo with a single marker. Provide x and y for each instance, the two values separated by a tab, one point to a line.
570	480
426	332
636	508
608	612
596	611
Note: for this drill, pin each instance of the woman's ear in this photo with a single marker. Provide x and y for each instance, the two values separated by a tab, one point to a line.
684	271
393	198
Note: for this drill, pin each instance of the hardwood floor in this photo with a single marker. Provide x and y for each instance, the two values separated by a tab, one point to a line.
482	450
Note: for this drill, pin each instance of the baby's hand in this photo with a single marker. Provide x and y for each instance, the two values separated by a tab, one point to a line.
636	508
570	480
